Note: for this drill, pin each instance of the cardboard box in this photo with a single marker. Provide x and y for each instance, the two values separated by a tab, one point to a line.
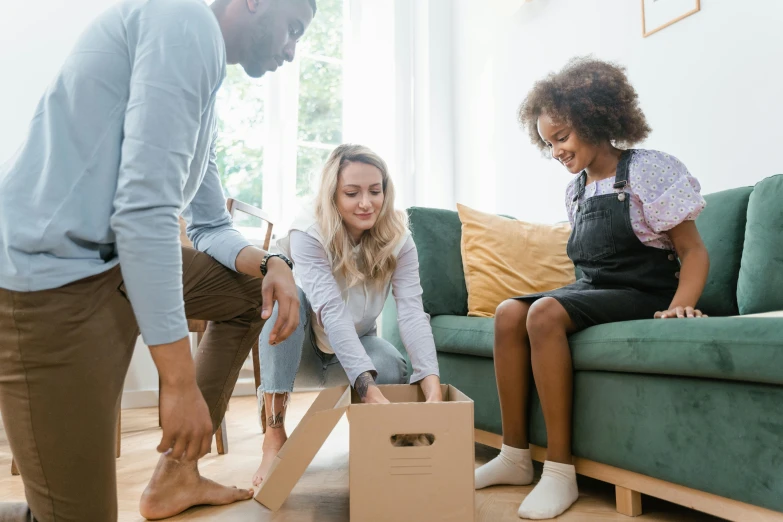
387	482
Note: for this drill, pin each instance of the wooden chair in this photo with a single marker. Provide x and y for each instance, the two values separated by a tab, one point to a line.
199	327
15	470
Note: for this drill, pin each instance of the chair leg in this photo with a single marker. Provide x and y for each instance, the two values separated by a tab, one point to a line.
14	470
263	414
256	366
257	380
118	445
221	438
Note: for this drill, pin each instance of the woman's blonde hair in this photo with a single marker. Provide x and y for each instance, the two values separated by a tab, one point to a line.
376	259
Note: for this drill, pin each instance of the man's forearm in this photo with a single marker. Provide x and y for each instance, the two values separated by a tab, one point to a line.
174	362
249	261
250	258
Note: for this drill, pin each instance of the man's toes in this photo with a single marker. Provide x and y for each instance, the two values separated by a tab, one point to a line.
243	494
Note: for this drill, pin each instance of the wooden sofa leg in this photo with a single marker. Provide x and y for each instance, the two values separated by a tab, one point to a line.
14	470
629	502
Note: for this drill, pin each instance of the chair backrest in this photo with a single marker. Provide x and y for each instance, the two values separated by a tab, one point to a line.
235	206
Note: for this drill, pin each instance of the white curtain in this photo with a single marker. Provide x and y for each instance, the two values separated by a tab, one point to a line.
399	95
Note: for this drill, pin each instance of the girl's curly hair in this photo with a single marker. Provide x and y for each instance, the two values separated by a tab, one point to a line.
593	97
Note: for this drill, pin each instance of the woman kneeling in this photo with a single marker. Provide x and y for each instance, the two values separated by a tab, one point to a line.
348	253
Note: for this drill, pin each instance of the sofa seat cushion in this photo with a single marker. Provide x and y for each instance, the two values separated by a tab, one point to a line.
746	349
464	335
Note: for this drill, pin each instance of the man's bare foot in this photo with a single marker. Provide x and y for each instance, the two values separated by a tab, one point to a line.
175	487
274	438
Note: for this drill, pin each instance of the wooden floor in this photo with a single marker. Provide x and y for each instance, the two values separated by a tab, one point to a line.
322	493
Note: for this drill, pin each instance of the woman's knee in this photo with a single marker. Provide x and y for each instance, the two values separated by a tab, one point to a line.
546	316
511	316
391	365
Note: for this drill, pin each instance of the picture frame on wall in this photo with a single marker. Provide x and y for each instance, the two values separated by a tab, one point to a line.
660	14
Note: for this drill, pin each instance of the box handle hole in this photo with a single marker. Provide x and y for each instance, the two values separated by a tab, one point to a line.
403	440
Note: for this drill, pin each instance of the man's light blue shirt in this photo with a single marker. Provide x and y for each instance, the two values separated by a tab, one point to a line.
120	145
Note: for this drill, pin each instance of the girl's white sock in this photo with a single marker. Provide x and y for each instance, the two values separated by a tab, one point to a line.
513	466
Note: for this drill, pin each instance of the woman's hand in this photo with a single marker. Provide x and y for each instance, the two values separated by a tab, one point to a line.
430	386
368	391
680	312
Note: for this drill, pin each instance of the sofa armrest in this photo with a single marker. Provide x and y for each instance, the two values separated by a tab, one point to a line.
390	331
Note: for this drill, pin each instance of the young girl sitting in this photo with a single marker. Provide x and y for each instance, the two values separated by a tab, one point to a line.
634	243
348	253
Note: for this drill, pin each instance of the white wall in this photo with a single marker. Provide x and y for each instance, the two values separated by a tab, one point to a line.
710	86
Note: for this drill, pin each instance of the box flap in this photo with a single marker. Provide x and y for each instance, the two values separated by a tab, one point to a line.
301	447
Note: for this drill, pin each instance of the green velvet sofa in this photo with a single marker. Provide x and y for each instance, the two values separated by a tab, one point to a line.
686	410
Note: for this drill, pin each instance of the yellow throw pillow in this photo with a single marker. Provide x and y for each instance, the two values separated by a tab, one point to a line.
505	258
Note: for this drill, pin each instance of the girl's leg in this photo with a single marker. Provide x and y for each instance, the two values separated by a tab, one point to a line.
512	372
279	366
548	325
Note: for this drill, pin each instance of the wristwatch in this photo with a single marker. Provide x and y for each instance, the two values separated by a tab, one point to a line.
270	255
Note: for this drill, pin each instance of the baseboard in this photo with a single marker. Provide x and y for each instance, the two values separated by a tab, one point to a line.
245	387
692	498
149	398
139	399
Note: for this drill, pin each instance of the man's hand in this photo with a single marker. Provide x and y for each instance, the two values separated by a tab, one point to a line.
679	312
430	386
279	286
187	427
368	391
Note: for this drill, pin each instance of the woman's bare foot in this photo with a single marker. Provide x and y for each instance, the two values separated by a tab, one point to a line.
175	487
273	441
276	405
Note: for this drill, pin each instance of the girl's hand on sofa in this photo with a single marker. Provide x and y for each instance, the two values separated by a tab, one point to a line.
680	312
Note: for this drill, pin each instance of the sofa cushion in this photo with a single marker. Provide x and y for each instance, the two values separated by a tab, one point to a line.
505	257
464	335
732	348
760	283
437	234
722	228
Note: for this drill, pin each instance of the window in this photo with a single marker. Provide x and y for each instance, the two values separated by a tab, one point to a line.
275	133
